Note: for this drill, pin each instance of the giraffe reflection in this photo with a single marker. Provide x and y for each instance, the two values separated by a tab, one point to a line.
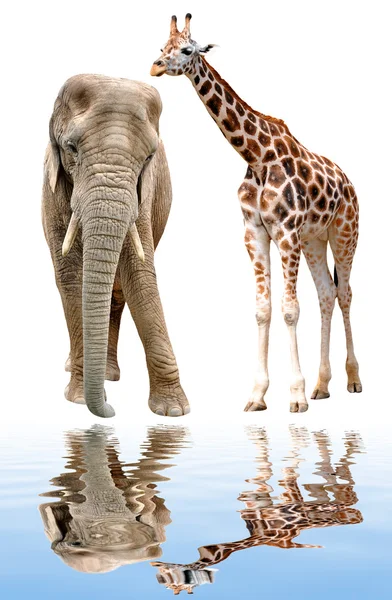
278	521
109	514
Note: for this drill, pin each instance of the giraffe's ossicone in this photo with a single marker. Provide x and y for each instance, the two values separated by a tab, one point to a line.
296	198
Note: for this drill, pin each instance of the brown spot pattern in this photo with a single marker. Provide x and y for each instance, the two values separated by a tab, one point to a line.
269	156
288	195
264	139
280	146
254	147
231	123
289	166
273	129
214	104
303	171
229	98
218	88
249	127
237	141
322	203
292	146
248	194
205	88
247	155
280	211
240	109
276	176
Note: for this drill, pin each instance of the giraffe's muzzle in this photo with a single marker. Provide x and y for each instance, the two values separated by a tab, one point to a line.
158	68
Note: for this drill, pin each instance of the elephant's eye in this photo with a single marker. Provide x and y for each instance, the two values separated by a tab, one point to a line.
75	543
72	147
149	157
188	51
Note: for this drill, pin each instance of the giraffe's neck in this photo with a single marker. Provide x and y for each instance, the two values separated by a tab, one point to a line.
253	135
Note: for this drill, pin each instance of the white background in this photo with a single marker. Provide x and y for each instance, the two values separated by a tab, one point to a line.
322	67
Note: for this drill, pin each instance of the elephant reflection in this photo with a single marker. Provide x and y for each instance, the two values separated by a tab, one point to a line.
277	521
109	514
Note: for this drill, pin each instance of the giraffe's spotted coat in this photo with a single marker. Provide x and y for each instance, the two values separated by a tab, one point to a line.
279	523
292	196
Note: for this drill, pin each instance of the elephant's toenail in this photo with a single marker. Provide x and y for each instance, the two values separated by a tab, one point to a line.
187	410
160	412
175	412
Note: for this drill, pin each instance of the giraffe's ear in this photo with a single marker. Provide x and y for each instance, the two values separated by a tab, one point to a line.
207	48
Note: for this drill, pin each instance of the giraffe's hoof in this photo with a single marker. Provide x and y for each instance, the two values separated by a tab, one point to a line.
254	406
355	387
298	407
319	394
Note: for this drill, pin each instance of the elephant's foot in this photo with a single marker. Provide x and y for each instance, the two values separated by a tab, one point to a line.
112	371
169	402
74	391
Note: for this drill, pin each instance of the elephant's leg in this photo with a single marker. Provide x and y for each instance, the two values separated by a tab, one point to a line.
142	296
117	306
68	273
116	309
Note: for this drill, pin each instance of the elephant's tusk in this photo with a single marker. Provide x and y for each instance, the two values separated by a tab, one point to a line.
136	241
70	235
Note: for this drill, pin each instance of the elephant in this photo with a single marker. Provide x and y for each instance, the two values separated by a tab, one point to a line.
109	515
105	203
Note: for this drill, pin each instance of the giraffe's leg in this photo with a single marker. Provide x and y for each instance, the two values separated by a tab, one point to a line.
257	242
316	256
343	248
290	253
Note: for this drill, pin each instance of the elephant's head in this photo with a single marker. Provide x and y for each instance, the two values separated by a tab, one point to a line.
99	544
103	133
108	516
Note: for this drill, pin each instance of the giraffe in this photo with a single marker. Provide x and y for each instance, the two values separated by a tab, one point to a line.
294	197
277	524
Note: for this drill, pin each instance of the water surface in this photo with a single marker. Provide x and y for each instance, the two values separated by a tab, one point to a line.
245	514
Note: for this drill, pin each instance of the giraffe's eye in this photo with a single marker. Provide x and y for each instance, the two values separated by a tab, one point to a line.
188	51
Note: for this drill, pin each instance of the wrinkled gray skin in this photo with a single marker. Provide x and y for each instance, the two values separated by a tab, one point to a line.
106	165
107	515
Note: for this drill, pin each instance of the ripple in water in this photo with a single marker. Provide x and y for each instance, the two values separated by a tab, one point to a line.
110	514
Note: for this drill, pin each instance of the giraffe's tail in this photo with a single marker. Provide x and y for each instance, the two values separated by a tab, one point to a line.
335	276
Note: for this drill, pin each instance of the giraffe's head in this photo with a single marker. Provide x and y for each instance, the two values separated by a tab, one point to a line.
180	51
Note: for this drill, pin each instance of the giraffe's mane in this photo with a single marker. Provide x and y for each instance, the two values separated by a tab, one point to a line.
228	87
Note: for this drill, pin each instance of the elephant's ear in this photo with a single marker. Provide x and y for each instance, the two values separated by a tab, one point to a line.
162	192
52	159
145	181
52	165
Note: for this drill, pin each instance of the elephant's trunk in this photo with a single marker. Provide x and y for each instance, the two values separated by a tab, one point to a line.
105	219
